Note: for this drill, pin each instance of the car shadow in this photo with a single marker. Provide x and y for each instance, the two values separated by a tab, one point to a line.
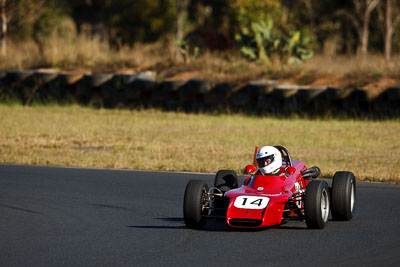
178	220
289	227
156	227
212	226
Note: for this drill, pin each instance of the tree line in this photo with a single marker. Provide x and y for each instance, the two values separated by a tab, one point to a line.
329	26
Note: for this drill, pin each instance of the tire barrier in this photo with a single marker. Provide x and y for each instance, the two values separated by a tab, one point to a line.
246	98
142	90
167	95
191	94
218	97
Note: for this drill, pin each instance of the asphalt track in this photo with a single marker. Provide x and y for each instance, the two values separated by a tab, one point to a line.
53	216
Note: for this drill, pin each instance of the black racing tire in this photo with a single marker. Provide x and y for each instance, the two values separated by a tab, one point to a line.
193	204
84	88
284	91
18	76
316	204
226	180
43	77
72	78
96	80
343	196
393	93
193	88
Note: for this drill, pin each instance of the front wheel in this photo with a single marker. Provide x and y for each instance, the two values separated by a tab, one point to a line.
226	180
195	204
343	196
316	204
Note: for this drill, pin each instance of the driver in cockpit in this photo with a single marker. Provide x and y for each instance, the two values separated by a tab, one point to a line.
269	160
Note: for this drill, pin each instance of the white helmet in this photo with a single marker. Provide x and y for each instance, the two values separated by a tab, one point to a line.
269	160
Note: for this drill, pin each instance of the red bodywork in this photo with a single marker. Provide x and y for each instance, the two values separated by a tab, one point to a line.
246	203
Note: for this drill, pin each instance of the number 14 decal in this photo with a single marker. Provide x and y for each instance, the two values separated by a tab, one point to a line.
255	202
251	202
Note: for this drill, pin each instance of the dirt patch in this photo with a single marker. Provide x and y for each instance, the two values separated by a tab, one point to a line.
378	86
183	76
374	85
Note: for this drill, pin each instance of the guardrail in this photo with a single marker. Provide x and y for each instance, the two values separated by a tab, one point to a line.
141	90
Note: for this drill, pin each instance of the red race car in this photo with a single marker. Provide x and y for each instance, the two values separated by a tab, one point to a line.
279	190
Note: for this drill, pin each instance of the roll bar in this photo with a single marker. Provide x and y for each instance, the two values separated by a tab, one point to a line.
285	155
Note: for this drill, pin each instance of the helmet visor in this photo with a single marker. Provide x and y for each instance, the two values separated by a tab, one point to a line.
265	161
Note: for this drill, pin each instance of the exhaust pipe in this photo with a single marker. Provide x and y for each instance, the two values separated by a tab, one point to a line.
311	173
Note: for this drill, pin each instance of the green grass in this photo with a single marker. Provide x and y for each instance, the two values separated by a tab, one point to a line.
156	140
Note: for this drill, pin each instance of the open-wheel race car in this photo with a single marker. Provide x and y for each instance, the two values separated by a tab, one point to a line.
278	190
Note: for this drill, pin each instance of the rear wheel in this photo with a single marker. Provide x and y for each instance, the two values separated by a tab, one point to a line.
343	196
195	204
316	204
226	180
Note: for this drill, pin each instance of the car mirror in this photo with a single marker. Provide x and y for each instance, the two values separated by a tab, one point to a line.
290	170
250	169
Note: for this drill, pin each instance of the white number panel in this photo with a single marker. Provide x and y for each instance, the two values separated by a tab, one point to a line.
251	202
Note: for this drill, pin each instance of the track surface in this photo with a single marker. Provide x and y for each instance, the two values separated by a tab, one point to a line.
52	216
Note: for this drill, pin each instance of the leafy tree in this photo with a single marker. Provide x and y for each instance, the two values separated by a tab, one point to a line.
249	11
314	19
20	16
392	21
50	17
32	18
140	20
360	18
352	24
3	32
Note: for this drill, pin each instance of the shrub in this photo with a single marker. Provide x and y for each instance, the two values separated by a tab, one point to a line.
262	41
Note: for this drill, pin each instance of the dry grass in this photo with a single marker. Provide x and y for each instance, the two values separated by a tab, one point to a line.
373	66
220	67
81	51
71	50
155	140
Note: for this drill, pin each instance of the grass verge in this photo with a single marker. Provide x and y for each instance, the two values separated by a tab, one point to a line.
173	141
